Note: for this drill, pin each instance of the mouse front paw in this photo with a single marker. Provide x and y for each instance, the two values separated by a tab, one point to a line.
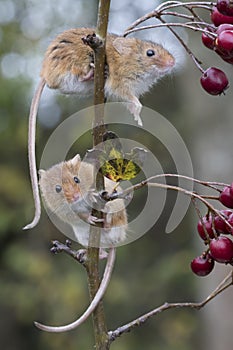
135	108
93	220
88	76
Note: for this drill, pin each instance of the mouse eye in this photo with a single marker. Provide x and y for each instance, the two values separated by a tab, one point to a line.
76	179
58	188
150	53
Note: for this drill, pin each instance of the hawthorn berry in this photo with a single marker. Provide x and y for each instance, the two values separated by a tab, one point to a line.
221	249
231	189
224	43
202	265
205	224
208	40
218	18
230	220
223	27
214	81
225	7
226	197
228	60
219	224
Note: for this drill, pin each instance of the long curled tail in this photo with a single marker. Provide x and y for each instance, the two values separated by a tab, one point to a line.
32	154
99	295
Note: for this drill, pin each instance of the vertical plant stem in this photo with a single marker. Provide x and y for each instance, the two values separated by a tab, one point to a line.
99	323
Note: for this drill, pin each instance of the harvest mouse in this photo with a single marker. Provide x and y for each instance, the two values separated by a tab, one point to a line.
134	66
67	189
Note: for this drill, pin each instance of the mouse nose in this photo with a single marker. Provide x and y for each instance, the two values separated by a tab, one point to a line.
171	61
72	193
76	196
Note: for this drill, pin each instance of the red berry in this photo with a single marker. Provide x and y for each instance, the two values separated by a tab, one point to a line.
218	18
224	42
223	27
221	249
219	223
230	220
231	189
207	223
202	265
225	7
228	60
225	56
208	40
226	197
214	81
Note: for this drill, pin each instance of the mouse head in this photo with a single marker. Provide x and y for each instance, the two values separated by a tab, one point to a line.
65	183
146	54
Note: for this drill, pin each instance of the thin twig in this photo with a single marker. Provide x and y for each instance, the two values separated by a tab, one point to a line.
78	255
177	14
210	197
170	27
129	190
187	192
210	184
162	10
193	195
195	4
207	237
226	283
167	6
186	25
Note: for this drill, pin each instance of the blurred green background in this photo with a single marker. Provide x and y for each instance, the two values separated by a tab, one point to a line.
36	285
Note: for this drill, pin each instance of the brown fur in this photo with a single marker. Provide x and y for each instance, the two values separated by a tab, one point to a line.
131	71
68	66
63	174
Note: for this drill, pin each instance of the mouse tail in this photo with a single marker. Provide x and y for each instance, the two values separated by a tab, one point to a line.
94	303
32	154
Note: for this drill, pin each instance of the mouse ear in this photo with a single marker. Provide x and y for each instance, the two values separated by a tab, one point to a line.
122	45
76	159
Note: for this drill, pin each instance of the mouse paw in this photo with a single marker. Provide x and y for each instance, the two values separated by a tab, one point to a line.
138	119
135	108
88	76
92	220
103	254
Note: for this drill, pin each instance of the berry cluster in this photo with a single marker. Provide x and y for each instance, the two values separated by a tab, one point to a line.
213	230
219	38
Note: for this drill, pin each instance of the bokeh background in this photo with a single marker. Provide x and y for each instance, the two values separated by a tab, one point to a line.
36	285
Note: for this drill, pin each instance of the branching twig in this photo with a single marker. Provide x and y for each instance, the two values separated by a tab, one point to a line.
186	25
187	192
195	22
193	4
78	255
210	184
192	194
226	283
168	5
